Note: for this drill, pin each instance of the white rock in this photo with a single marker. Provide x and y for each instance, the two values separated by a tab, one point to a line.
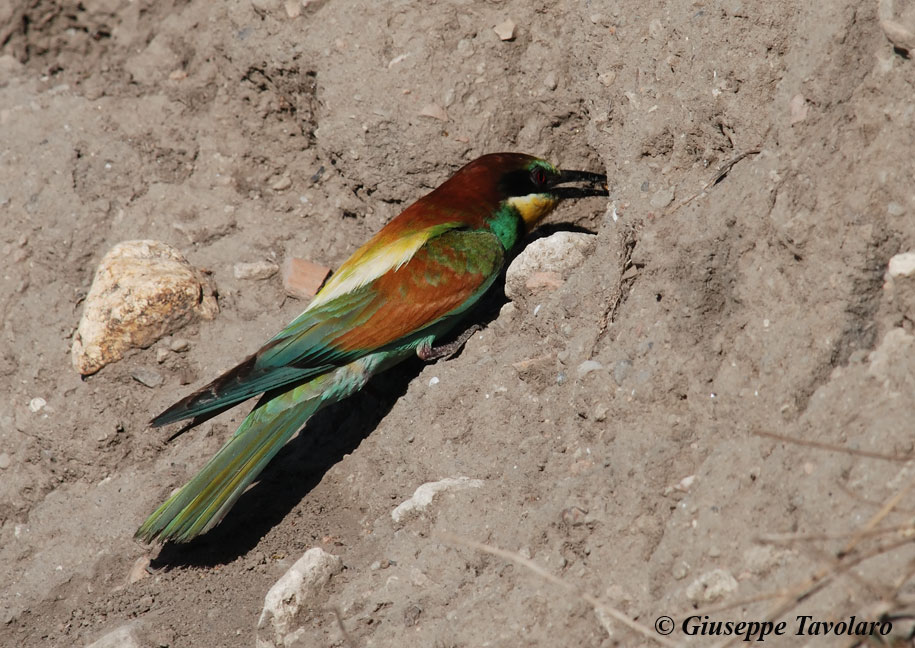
662	198
797	108
588	366
142	291
560	253
424	495
902	265
711	586
148	377
123	637
505	30
293	8
37	404
287	596
255	270
435	111
895	209
282	183
178	345
138	571
686	483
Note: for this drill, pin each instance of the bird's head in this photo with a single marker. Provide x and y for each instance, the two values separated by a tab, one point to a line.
512	186
534	187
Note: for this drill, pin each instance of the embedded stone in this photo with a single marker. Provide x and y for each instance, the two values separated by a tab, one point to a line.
276	626
546	263
142	291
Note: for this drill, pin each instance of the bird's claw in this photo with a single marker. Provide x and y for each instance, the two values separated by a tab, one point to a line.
428	353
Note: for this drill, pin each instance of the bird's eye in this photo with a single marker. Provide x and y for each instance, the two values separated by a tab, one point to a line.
538	176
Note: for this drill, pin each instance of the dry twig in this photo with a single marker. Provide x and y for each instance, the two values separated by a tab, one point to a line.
530	565
723	170
832	447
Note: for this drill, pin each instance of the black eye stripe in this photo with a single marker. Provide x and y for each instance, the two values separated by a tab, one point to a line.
538	176
523	182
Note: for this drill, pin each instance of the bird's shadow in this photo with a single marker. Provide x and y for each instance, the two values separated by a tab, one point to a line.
326	438
548	229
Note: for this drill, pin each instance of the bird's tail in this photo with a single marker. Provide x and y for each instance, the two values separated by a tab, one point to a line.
204	500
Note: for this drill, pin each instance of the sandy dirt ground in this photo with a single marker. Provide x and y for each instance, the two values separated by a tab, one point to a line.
712	415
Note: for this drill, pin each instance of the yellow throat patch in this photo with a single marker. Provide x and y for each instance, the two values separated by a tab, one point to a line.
533	207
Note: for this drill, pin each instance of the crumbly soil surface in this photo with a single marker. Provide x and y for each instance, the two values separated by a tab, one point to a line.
736	450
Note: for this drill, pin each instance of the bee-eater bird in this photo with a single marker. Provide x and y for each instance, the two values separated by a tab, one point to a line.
397	295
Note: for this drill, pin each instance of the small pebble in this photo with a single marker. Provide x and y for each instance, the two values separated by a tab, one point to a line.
550	81
178	345
505	30
161	355
138	570
680	571
257	270
711	586
4	460
36	404
902	265
573	516
600	412
662	198
607	78
798	109
293	8
411	615
901	35
434	111
282	183
621	371
148	377
588	366
895	209
433	381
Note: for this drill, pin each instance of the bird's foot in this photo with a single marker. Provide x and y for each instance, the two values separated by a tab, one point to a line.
429	353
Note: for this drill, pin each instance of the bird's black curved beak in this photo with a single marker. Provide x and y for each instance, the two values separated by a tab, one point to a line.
595	184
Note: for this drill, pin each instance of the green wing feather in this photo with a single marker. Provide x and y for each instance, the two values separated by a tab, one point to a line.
452	268
204	500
